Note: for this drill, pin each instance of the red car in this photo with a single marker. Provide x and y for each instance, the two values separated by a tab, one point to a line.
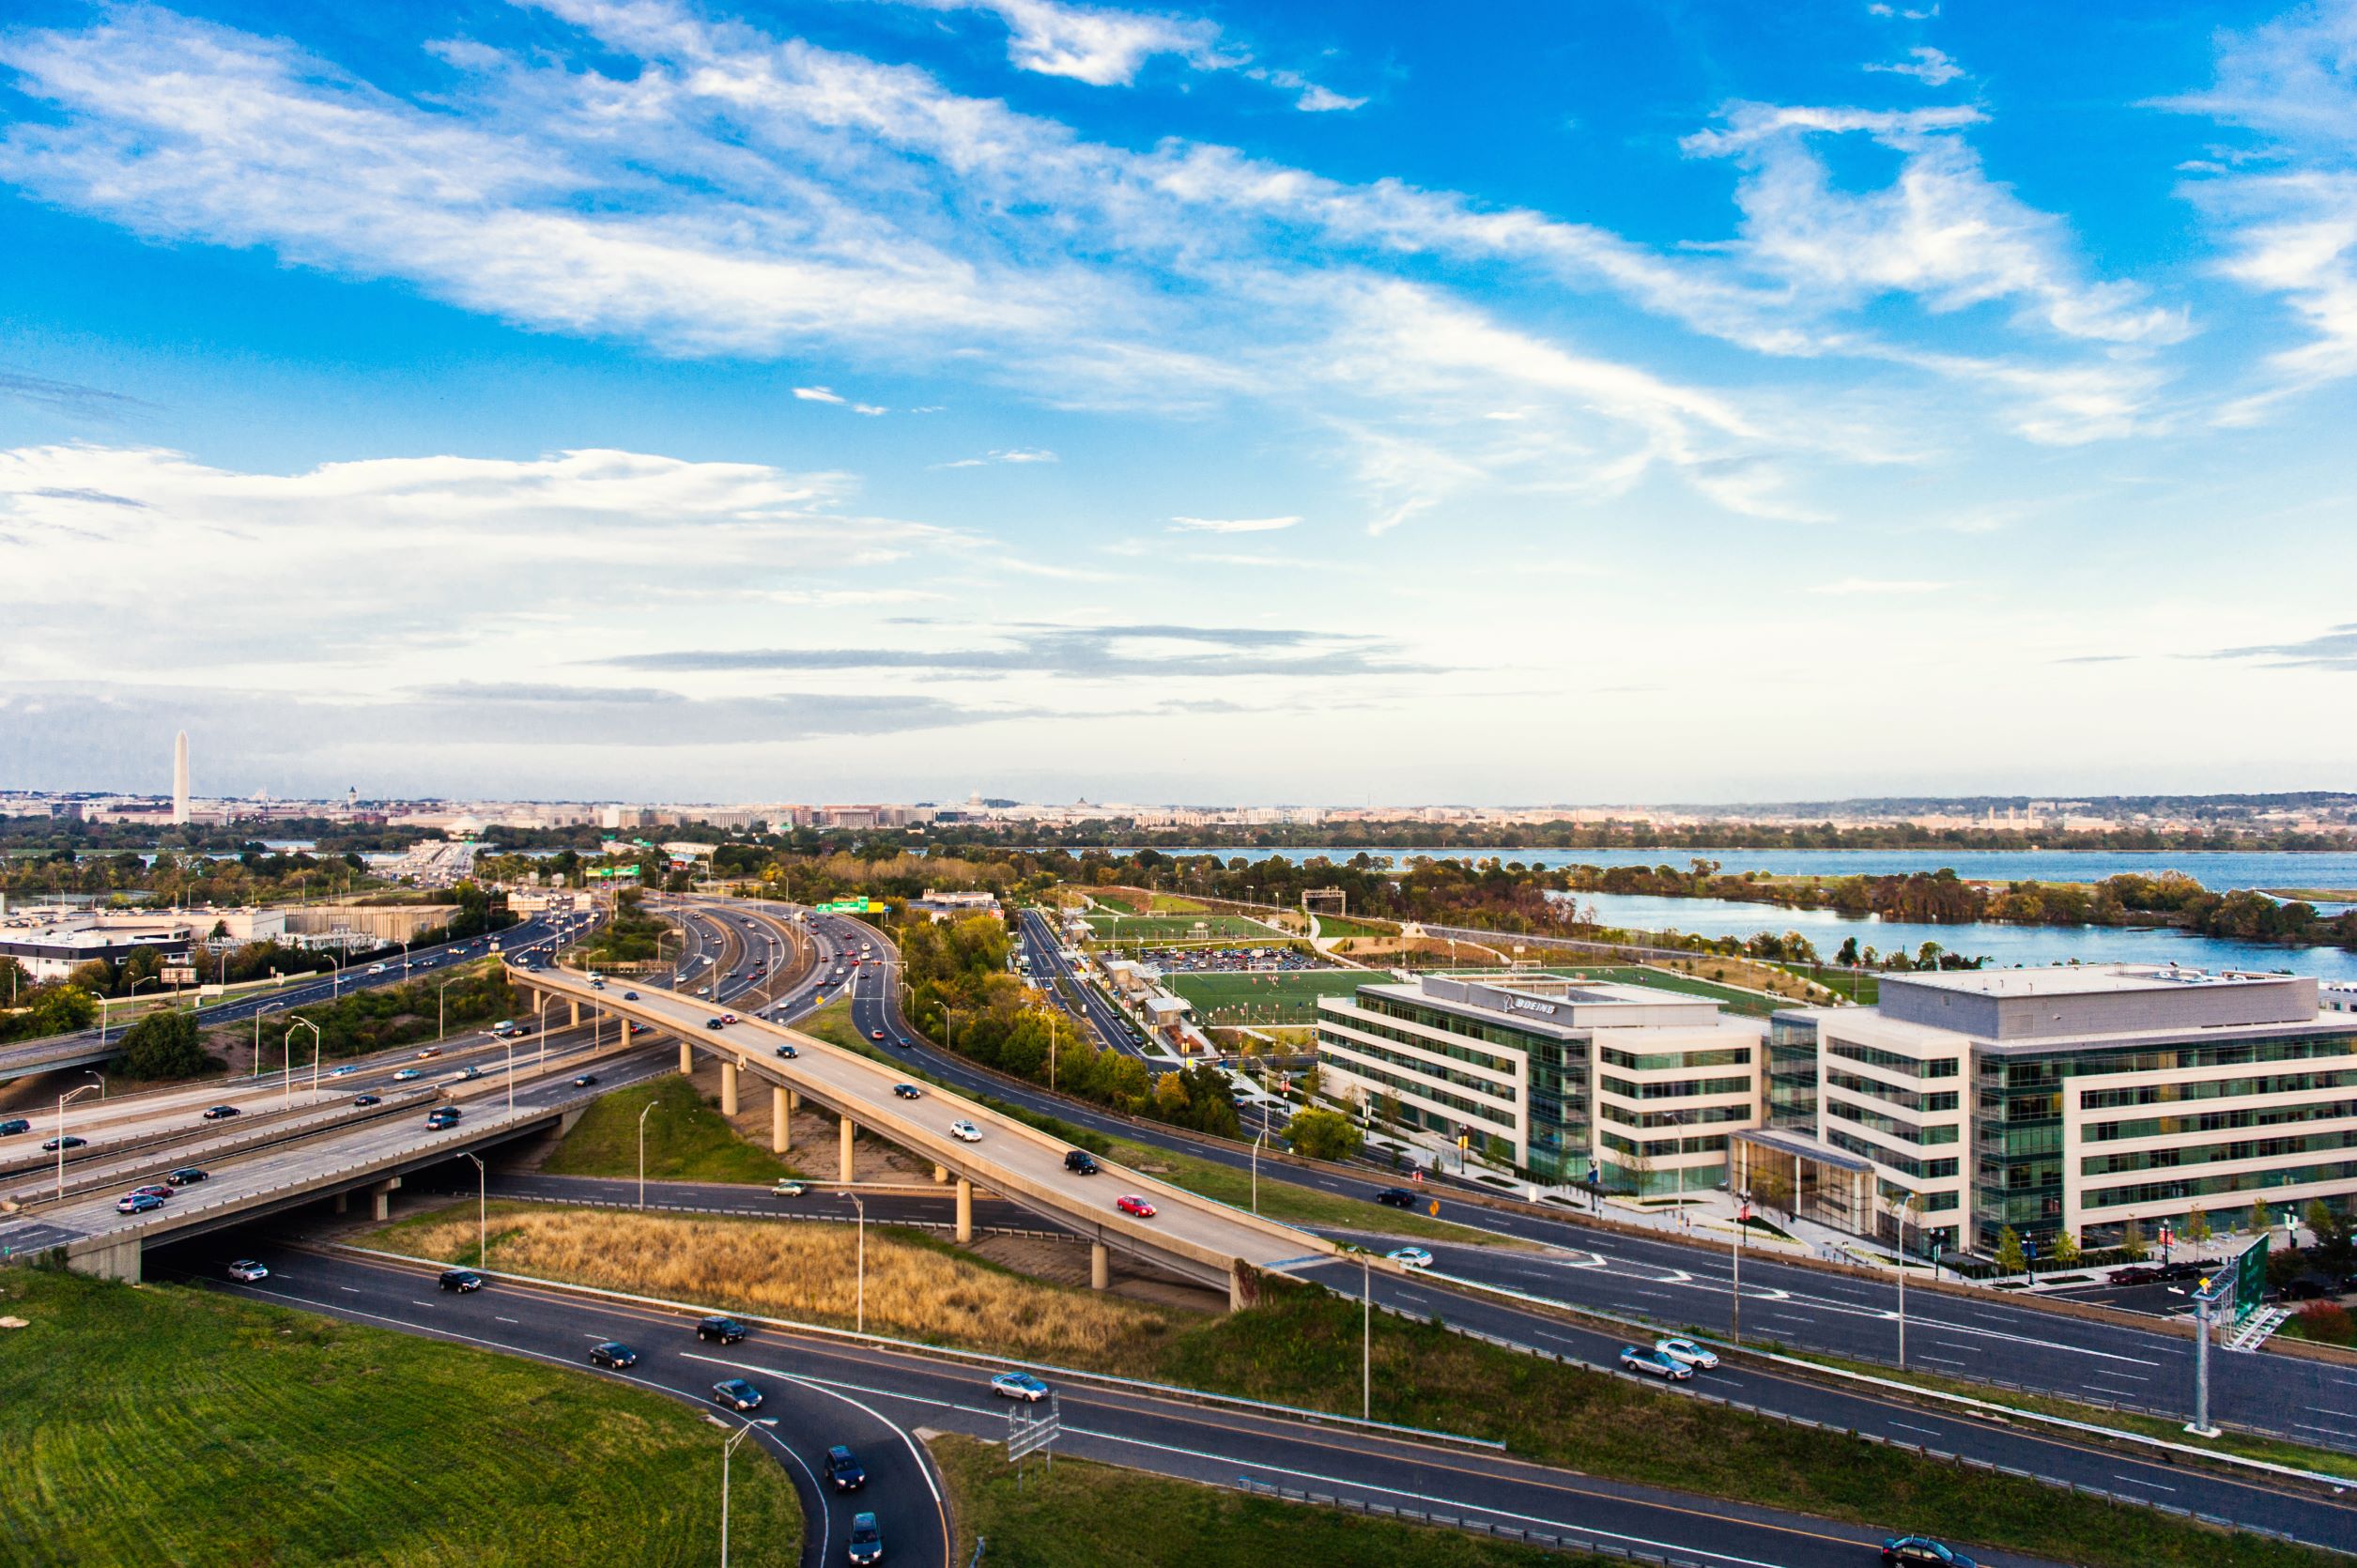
1130	1203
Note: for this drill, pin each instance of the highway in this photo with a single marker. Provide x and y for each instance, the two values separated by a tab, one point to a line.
823	1391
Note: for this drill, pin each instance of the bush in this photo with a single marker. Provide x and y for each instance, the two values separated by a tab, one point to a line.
164	1045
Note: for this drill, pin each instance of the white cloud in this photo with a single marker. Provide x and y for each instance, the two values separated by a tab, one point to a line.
1929	66
1879	587
1231	525
816	394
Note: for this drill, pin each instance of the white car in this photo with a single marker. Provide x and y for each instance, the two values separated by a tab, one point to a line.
1685	1350
1410	1257
248	1271
965	1132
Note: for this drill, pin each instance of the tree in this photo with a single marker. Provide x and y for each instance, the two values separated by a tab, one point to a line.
2132	1242
164	1045
1320	1134
2065	1250
2010	1257
2196	1228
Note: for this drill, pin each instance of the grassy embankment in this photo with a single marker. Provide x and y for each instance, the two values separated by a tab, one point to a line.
1300	1346
1079	1514
686	1140
171	1426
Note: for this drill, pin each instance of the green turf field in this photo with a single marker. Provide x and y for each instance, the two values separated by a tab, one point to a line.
1282	997
1175	928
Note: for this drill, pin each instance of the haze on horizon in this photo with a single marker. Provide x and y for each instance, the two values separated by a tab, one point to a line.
1239	404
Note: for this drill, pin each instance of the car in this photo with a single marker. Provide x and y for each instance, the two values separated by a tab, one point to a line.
460	1280
409	1075
786	1187
1130	1203
614	1354
965	1132
631	996
719	1331
441	1117
220	1112
1699	1357
1906	1551
369	1099
1080	1161
2135	1274
867	1540
1410	1257
1018	1385
246	1269
1654	1364
586	1081
712	1023
1397	1197
844	1470
187	1175
14	1126
346	1070
151	1191
137	1203
787	1053
430	1053
737	1394
907	1091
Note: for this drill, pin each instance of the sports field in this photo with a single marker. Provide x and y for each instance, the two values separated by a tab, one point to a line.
1284	997
1174	927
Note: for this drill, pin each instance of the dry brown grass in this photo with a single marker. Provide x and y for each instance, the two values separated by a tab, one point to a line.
807	1272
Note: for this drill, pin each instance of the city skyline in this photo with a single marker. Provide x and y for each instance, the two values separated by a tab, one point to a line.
849	402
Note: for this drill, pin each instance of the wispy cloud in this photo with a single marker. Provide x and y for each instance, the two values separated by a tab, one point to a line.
1230	525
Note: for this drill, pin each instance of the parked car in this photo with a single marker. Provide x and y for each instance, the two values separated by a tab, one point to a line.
1080	1161
1908	1551
1654	1364
1397	1197
220	1112
965	1132
844	1470
1130	1203
720	1331
369	1099
788	1051
1018	1385
906	1091
867	1540
187	1175
137	1203
68	1142
614	1354
14	1126
1410	1257
737	1394
461	1279
1679	1350
248	1271
786	1187
441	1117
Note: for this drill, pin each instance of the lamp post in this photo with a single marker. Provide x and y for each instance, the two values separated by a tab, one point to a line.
642	1155
287	1041
862	1314
482	1208
62	1102
727	1448
266	1007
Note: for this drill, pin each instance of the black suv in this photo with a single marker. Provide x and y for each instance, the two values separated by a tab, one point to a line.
723	1331
844	1470
1080	1161
1397	1197
461	1279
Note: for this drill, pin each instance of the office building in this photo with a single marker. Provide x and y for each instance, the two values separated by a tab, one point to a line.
1563	1077
2076	1098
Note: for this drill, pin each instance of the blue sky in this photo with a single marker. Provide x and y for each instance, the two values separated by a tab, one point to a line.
900	397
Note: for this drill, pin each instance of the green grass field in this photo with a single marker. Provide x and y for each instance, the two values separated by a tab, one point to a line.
1175	927
1281	996
685	1140
166	1425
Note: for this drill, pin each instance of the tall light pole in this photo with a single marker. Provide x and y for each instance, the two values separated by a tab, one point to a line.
482	1209
287	1041
727	1448
62	1100
266	1007
862	1207
651	1105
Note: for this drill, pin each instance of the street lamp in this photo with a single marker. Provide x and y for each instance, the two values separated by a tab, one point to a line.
651	1105
861	1321
482	1206
266	1007
727	1448
62	1100
287	1041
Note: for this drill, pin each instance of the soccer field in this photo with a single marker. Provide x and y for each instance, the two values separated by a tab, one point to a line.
1282	997
1174	927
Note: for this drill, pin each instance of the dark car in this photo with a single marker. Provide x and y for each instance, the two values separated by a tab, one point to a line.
441	1117
187	1175
1080	1161
220	1112
14	1126
1921	1551
369	1099
906	1091
844	1470
722	1331
737	1394
867	1540
1397	1197
613	1353
461	1279
68	1142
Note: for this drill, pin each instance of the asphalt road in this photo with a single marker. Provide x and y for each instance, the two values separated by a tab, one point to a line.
822	1391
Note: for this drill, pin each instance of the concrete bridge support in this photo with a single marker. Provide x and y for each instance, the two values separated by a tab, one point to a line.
965	1210
727	1088
1100	1267
780	1118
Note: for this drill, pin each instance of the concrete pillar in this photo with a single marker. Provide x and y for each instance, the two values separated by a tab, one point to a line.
686	1059
843	1152
965	1210
780	1121
940	1173
1100	1267
727	1088
380	1197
